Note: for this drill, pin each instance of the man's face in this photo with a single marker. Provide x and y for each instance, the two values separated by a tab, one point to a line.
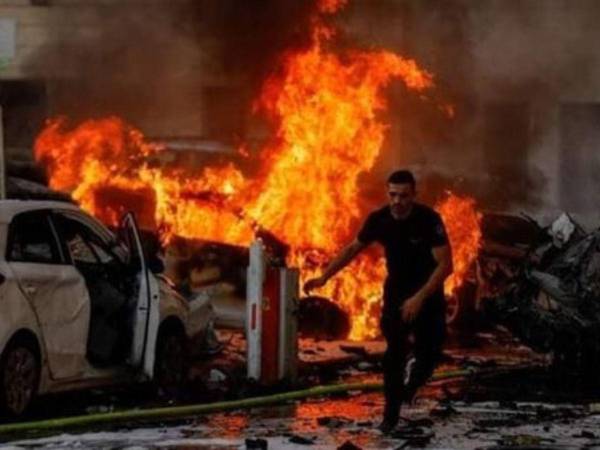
401	197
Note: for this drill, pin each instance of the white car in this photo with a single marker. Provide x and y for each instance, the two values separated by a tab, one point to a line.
80	307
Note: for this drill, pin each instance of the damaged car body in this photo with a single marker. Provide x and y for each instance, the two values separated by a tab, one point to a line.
553	303
82	308
506	239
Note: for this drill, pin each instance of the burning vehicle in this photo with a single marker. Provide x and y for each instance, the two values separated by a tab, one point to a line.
81	307
325	106
216	214
217	273
504	242
210	272
553	302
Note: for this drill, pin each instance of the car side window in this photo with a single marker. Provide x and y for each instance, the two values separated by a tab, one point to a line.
103	255
31	239
79	249
82	243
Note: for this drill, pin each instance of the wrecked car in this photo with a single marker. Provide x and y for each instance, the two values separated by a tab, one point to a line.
216	272
506	239
553	304
81	307
204	271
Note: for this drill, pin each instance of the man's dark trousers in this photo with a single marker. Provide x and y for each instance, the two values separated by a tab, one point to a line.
429	331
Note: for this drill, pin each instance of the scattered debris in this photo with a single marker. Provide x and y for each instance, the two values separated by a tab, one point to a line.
365	424
443	411
506	404
420	423
414	436
403	445
99	409
355	349
216	376
295	439
546	413
365	366
257	444
523	440
585	434
588	434
333	422
514	421
594	408
348	445
481	362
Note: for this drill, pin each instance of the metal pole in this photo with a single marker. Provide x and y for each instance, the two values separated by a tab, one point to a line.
2	160
254	306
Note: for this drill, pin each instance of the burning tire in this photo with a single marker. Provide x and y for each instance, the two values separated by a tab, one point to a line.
19	377
170	368
322	319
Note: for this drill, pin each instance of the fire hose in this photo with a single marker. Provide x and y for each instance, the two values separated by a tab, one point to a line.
178	412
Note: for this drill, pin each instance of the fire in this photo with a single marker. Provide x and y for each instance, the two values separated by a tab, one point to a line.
324	107
328	134
463	225
330	6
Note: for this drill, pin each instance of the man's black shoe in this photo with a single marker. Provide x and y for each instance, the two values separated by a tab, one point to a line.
387	425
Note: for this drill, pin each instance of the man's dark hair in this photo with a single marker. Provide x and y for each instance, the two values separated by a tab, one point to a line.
402	177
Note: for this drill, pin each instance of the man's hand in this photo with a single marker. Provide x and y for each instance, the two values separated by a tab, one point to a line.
338	263
411	308
314	283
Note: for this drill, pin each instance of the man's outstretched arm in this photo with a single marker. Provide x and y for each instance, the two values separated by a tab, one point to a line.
344	258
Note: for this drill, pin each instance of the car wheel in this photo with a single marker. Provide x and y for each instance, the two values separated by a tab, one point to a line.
19	378
170	368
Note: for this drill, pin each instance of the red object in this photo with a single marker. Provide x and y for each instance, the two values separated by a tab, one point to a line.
270	326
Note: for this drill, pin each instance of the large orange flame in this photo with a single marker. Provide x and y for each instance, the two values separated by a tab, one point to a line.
324	108
463	225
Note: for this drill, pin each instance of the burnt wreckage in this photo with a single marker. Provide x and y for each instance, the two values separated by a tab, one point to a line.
553	303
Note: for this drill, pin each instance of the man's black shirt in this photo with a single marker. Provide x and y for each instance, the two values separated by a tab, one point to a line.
408	243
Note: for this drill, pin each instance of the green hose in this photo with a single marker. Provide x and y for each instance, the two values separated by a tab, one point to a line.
173	412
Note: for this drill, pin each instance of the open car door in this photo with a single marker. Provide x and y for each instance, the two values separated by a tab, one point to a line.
146	315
